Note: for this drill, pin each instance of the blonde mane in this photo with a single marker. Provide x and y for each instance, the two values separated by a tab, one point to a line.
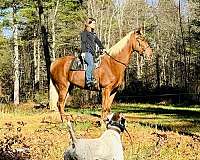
114	50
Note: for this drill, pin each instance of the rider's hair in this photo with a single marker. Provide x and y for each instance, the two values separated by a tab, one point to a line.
87	22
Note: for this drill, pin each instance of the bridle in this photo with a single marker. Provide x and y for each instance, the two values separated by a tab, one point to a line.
141	47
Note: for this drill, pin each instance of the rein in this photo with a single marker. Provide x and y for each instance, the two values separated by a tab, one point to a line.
116	59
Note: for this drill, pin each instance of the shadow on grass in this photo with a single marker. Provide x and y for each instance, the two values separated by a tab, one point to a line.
183	121
179	113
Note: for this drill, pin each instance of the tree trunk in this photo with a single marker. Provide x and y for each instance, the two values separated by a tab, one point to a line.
1	94
164	70
53	30
37	74
183	47
35	60
157	61
53	95
45	42
16	58
109	31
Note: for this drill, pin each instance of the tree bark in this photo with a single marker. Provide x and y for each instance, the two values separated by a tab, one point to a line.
53	30
109	31
35	59
37	77
1	94
16	57
44	37
53	95
183	46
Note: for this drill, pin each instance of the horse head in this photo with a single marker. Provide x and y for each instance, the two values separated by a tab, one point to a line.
141	45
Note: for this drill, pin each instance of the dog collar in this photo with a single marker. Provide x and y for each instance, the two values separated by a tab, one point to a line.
117	124
114	128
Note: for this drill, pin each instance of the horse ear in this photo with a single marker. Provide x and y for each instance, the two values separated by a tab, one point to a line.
140	31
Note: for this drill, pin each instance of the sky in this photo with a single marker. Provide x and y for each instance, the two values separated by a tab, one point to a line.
183	4
7	32
152	2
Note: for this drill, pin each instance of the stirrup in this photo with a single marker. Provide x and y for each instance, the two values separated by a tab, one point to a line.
90	85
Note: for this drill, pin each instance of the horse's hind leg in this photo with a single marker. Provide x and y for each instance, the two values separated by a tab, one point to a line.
62	95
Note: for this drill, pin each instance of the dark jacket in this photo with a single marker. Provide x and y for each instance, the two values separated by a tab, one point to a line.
89	41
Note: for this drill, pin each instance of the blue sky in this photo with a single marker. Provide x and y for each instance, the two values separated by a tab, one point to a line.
152	2
7	32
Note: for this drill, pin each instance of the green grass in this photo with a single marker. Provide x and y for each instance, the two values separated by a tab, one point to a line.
179	119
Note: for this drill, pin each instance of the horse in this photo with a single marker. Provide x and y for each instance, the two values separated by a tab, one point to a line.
109	73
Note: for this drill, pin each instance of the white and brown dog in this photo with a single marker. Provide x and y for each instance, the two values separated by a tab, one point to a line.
106	147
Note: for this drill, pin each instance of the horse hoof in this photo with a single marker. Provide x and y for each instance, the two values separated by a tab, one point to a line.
67	117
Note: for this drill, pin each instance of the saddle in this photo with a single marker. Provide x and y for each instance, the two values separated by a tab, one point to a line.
79	65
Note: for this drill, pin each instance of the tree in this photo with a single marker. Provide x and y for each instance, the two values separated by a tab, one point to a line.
16	56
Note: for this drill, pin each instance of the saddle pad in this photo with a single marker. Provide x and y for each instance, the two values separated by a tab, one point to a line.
79	64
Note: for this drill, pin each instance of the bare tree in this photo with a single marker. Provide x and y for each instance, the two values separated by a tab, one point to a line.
16	56
53	95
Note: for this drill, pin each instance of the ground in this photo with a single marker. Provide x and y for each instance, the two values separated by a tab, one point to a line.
157	132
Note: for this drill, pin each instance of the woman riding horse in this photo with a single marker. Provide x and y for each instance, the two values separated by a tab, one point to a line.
110	73
89	40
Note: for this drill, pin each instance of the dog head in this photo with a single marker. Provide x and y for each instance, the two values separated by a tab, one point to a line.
116	119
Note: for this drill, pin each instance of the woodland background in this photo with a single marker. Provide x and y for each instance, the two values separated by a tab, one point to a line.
35	32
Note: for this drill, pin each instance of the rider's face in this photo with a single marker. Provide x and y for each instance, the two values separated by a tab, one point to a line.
92	25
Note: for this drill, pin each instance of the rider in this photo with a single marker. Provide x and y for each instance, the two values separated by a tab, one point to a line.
89	40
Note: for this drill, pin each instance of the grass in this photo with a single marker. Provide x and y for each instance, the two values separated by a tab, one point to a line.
46	138
179	119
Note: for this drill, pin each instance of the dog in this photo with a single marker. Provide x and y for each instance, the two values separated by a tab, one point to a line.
107	147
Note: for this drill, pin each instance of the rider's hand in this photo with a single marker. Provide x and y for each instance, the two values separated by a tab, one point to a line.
83	55
104	51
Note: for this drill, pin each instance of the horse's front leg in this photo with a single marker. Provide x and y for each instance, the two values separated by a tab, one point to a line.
105	103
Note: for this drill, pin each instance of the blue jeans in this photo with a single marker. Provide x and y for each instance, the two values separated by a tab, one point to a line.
89	60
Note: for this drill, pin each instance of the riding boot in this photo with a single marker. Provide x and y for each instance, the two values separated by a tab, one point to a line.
90	85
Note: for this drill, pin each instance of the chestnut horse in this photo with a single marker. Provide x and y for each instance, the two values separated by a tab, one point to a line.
109	74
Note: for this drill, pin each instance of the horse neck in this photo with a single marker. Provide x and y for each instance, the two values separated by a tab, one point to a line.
125	54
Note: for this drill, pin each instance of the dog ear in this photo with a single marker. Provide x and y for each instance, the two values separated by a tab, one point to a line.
116	116
109	117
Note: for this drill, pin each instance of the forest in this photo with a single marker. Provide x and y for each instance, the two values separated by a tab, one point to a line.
35	33
159	98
